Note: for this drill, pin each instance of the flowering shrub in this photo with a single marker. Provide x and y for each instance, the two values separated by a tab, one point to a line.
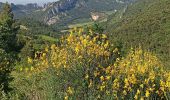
88	66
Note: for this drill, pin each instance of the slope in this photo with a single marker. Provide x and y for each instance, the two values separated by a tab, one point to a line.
145	23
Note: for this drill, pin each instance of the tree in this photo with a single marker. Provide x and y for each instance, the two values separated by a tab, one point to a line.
97	28
8	47
8	29
5	69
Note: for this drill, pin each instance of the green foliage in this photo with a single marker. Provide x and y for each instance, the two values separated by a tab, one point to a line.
144	23
8	30
34	27
35	86
6	61
87	64
97	28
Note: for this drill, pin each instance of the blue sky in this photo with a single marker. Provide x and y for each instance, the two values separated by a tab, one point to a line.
27	1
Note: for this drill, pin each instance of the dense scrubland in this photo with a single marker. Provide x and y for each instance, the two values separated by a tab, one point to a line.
124	58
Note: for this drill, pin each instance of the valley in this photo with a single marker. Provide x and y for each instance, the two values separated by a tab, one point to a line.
85	50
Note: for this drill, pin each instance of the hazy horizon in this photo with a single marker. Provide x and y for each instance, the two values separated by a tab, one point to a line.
40	2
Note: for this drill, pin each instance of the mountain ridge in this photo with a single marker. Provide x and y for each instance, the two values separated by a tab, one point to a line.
66	11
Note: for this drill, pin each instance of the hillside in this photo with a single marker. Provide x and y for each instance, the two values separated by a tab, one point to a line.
22	10
66	11
144	23
85	50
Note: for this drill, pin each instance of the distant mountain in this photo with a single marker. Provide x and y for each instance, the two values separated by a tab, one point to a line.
23	10
70	10
64	12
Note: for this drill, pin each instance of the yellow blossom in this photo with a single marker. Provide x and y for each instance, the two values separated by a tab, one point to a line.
138	91
136	97
30	60
108	77
87	76
90	85
104	36
124	92
21	69
141	98
141	85
32	68
66	98
101	78
147	93
70	90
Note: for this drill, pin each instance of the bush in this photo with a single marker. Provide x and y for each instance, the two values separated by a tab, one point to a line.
5	68
88	66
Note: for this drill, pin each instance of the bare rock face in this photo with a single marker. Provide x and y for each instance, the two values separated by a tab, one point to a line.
60	8
52	20
56	8
66	11
97	15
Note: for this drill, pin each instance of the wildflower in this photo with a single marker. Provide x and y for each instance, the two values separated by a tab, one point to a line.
115	50
90	85
133	79
46	49
141	98
44	54
112	72
53	46
152	75
141	86
90	31
106	44
21	69
108	92
147	93
98	96
77	49
136	97
30	60
32	69
104	36
108	77
35	55
84	42
138	91
70	91
124	92
168	84
101	78
96	73
102	87
87	76
151	89
126	82
108	69
66	97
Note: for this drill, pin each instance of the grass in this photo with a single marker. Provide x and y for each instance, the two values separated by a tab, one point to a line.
48	38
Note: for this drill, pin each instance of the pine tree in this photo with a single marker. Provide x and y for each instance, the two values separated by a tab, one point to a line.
8	32
8	29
